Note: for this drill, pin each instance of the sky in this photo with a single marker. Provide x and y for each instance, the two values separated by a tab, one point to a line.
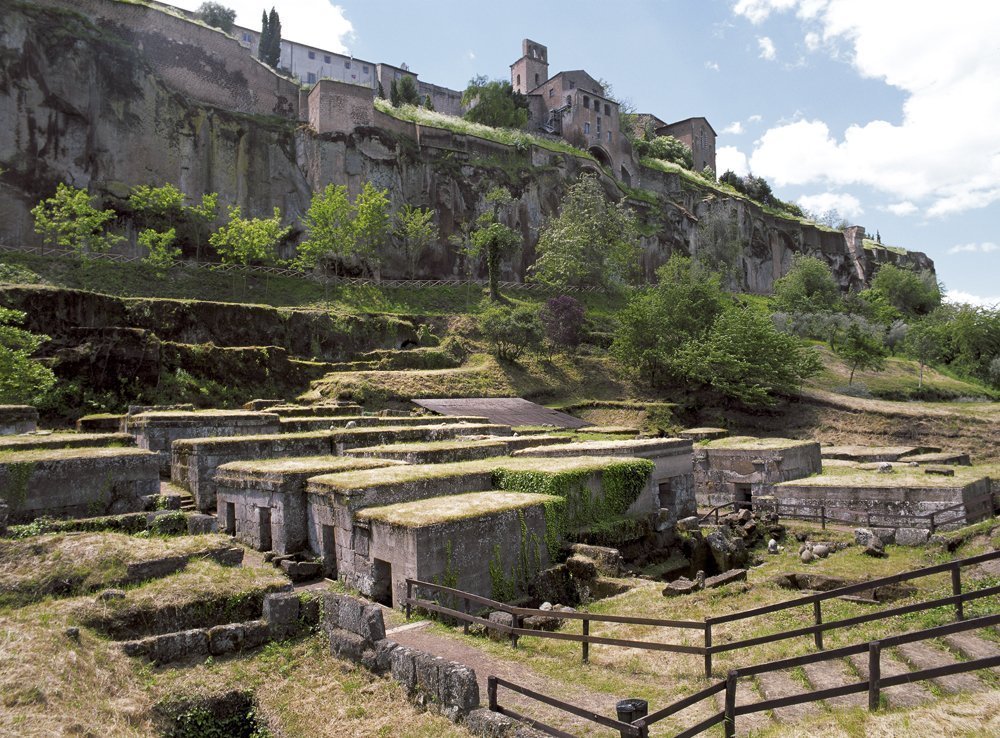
887	111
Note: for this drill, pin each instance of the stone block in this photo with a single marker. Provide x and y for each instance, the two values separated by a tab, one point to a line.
330	617
912	536
255	633
582	567
500	618
226	638
136	648
886	535
347	645
201	524
720	580
458	690
169	647
427	669
486	724
609	560
403	667
383	656
281	611
372	624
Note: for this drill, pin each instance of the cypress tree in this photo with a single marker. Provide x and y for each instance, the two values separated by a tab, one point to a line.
274	39
394	94
265	37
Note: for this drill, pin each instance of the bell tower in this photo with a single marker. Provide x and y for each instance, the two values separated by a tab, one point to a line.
532	69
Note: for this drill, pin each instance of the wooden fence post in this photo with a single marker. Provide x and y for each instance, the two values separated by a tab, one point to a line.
874	674
956	589
822	516
516	623
730	721
708	648
491	692
818	617
586	643
465	623
409	596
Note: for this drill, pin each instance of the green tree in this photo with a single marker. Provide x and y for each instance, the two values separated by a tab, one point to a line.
201	217
657	322
415	230
394	94
248	240
745	357
68	220
381	90
492	238
511	331
329	228
909	292
217	16
428	103
157	207
23	380
372	225
161	254
407	89
861	349
925	342
591	242
494	103
808	287
269	48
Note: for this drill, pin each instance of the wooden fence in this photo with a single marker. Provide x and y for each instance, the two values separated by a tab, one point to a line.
711	625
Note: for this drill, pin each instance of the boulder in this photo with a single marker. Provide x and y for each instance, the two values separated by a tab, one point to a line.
821	551
582	567
728	550
912	536
680	586
720	580
609	561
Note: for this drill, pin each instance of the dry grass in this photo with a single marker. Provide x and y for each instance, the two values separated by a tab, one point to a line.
453	507
303	465
77	562
750	443
900	476
42	455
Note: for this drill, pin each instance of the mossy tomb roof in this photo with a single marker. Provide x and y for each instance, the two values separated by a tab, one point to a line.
438	510
304	465
636	445
422	446
55	440
900	476
752	443
60	454
352	481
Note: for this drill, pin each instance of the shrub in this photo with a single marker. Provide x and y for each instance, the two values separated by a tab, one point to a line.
511	331
68	220
562	320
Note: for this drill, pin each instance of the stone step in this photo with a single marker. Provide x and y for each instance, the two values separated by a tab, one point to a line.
923	655
835	673
778	684
973	646
905	695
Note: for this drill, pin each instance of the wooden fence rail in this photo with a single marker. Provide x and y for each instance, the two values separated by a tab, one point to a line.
873	686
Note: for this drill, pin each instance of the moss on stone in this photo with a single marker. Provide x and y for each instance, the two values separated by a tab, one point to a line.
752	443
447	509
305	464
906	476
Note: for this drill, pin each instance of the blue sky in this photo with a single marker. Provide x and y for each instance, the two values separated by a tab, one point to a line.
885	110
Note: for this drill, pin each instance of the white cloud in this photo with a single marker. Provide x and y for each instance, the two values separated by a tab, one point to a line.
712	66
847	205
735	128
902	208
755	119
317	23
974	248
767	50
813	41
731	158
943	155
957	296
472	56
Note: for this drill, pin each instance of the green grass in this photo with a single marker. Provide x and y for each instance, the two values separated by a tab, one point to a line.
439	510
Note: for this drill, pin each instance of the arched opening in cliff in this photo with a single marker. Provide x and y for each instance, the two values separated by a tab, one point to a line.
602	156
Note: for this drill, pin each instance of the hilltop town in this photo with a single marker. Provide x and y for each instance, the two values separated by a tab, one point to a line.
327	413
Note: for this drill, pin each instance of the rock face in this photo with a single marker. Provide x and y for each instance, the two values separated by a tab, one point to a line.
105	114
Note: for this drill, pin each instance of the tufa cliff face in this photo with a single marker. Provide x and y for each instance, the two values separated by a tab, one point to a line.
130	99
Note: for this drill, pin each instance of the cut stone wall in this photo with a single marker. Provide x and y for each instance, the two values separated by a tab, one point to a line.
77	482
17	419
719	469
32	442
888	506
157	431
671	484
194	462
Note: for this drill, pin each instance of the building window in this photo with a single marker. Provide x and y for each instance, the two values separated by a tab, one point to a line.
572	84
586	128
311	78
598	126
552	92
569	100
312	54
519	80
364	68
586	102
609	136
247	38
607	109
536	81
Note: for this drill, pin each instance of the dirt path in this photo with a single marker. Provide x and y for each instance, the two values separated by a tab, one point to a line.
486	665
